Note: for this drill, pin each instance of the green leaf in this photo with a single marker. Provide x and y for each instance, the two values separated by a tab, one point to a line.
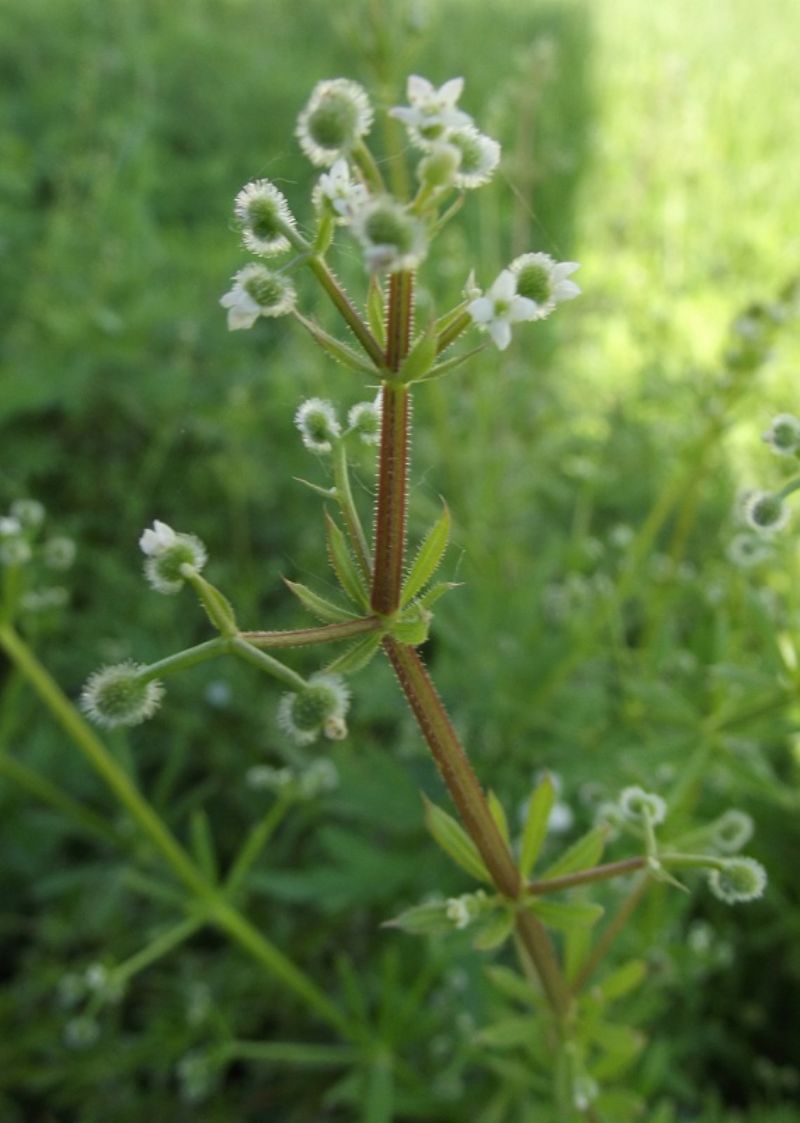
499	815
436	591
455	841
535	829
620	1044
217	607
448	318
565	915
343	564
335	348
428	557
514	986
508	1033
420	358
581	855
325	492
494	930
625	979
324	609
423	920
357	656
376	310
577	944
446	366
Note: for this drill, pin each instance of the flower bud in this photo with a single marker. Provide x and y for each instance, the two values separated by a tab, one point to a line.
392	239
318	424
637	805
118	695
338	114
263	214
364	419
438	169
783	435
740	879
766	512
731	831
167	553
320	708
480	156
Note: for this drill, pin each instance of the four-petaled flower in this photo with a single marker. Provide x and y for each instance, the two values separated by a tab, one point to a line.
544	281
500	307
432	113
156	541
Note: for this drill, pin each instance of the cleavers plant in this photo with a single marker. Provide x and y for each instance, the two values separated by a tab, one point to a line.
386	606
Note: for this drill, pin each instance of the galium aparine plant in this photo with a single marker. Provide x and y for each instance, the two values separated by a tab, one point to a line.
385	603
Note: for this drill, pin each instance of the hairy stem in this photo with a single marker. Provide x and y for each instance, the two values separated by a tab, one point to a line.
303	637
347	310
462	783
390	512
584	877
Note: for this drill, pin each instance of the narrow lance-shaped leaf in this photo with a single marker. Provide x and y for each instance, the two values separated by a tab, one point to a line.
451	364
317	605
428	557
566	915
423	920
357	656
535	829
436	591
203	844
455	841
625	979
343	565
335	348
499	815
494	930
420	358
581	855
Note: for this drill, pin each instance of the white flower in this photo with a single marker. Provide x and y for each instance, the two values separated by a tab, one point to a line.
264	215
342	194
432	112
256	291
501	307
9	527
480	156
158	540
544	281
338	114
458	911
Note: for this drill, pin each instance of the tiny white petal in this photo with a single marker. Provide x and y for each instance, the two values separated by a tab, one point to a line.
500	331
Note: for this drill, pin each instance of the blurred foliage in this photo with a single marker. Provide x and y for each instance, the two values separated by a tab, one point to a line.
653	144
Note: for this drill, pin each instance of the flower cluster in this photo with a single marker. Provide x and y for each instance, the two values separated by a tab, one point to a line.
320	428
529	289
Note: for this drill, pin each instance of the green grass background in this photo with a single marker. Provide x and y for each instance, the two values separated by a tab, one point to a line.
654	143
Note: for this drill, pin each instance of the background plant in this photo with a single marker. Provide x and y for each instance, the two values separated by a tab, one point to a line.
612	705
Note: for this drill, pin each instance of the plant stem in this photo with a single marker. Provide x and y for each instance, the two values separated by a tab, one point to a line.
344	497
257	839
303	637
162	944
584	877
462	783
183	659
347	311
453	331
250	654
613	930
219	912
390	513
